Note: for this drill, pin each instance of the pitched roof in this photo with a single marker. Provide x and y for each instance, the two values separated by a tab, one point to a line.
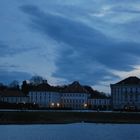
40	87
133	80
94	93
75	87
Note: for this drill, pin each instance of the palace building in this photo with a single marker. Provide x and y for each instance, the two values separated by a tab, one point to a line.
125	94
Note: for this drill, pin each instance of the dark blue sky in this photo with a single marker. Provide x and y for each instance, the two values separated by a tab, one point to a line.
94	42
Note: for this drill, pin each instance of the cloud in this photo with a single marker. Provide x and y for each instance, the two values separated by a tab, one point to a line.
72	40
5	49
124	74
82	46
8	50
8	76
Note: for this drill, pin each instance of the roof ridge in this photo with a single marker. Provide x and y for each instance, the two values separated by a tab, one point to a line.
129	80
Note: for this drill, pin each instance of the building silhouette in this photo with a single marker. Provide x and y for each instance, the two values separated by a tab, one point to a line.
72	96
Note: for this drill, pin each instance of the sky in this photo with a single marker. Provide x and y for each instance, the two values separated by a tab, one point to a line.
94	42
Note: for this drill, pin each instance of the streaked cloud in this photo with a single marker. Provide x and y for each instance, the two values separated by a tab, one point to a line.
95	42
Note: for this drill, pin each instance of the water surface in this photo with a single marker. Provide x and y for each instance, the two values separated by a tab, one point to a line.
77	131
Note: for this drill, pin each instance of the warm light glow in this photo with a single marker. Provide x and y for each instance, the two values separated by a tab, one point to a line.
85	105
52	104
58	105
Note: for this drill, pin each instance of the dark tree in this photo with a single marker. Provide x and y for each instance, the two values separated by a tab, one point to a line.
36	80
2	86
25	87
14	85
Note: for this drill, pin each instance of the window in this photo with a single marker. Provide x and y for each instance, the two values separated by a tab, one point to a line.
113	90
125	97
125	90
131	90
131	97
136	90
136	97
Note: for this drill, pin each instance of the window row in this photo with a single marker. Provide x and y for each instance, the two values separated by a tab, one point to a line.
72	101
126	90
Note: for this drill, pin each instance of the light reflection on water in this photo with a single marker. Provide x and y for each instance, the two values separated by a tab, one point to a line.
78	131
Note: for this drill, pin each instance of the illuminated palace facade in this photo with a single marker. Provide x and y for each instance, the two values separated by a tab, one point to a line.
51	98
73	96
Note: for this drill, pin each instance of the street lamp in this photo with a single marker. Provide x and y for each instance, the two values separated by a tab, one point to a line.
85	105
52	104
58	105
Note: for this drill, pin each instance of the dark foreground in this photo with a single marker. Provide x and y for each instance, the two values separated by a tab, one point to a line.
24	117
